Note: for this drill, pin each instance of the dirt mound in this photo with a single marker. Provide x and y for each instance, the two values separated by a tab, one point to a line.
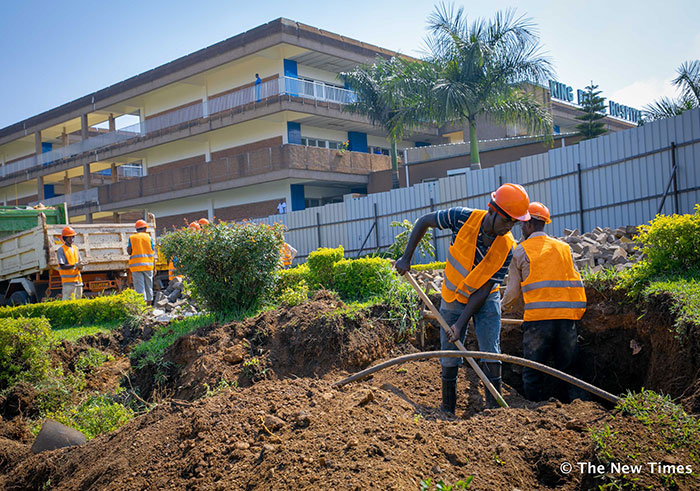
304	434
307	340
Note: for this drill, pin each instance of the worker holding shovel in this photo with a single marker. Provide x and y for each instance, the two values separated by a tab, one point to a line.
477	261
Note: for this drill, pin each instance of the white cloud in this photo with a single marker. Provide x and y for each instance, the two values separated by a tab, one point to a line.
642	92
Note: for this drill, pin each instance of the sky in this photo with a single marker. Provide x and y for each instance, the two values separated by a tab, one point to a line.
54	52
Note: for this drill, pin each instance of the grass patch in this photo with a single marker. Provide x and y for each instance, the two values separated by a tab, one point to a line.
75	333
605	279
685	293
429	266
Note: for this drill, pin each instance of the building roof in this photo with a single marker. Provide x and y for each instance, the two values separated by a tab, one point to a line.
288	29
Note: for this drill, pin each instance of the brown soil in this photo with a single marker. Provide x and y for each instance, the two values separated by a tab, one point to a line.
284	425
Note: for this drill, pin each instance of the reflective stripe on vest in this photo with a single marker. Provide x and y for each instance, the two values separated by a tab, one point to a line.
142	254
553	289
461	277
70	276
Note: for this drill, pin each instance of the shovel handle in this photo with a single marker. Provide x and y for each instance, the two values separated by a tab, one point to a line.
487	383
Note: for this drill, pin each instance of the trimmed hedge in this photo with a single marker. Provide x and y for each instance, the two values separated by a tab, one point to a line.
321	263
290	278
360	279
86	311
429	266
24	349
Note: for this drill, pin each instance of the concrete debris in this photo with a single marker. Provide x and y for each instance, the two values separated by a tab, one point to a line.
171	303
602	248
55	435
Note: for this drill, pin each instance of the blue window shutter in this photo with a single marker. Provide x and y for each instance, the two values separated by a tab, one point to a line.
358	141
298	202
293	132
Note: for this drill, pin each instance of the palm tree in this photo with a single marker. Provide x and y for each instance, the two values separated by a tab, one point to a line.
688	82
481	68
380	97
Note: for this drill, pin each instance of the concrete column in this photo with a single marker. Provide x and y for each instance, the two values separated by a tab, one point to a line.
66	184
210	210
86	176
40	188
64	137
112	124
115	173
83	126
88	217
37	146
115	217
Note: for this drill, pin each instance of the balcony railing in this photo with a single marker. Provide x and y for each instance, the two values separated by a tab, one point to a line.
255	162
237	98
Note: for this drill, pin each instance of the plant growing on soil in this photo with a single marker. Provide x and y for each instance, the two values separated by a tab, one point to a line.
296	295
254	370
321	263
425	246
231	266
426	484
671	248
96	415
85	311
91	359
24	350
360	279
290	278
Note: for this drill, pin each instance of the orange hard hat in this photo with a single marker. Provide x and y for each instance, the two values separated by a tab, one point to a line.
140	224
513	200
195	226
539	211
68	232
203	221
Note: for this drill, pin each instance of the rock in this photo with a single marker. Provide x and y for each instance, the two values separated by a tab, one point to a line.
161	303
302	419
571	233
54	435
158	296
164	318
174	296
273	423
363	397
242	445
234	354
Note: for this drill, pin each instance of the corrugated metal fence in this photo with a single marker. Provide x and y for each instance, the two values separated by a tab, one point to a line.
614	180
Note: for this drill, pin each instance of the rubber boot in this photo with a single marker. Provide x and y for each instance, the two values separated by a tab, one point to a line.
449	389
493	373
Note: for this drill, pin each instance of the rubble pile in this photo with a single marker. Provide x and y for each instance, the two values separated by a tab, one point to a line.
172	303
603	248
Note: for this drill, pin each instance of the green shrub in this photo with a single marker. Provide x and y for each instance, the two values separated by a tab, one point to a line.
290	278
92	359
86	311
24	349
671	246
429	266
97	415
321	263
231	267
295	295
425	245
360	279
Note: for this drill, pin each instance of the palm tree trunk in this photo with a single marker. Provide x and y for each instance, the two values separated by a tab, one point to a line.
473	147
394	166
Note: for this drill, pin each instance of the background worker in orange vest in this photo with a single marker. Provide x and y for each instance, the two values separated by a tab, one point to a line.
142	260
69	265
288	254
477	262
543	270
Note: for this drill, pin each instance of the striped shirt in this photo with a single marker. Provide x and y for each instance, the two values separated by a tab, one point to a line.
454	218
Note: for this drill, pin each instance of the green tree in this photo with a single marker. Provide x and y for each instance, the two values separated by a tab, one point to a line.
593	109
380	97
688	83
483	68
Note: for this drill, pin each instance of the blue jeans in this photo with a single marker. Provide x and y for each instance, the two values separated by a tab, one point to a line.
488	327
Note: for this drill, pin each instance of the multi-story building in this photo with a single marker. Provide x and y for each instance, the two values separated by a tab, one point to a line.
231	131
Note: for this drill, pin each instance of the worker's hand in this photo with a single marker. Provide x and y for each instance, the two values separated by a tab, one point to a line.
454	333
79	265
402	265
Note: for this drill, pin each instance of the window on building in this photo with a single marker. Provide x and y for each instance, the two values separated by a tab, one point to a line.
317	142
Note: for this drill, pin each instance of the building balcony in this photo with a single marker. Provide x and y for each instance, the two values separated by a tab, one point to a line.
235	101
244	169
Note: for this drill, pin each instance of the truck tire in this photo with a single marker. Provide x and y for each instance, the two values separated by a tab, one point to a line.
19	297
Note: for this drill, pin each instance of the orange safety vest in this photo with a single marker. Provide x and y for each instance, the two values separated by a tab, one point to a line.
286	252
461	277
553	289
70	276
142	256
172	272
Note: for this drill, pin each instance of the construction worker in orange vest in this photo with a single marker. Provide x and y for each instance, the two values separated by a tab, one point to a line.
142	260
543	270
69	265
288	253
477	261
